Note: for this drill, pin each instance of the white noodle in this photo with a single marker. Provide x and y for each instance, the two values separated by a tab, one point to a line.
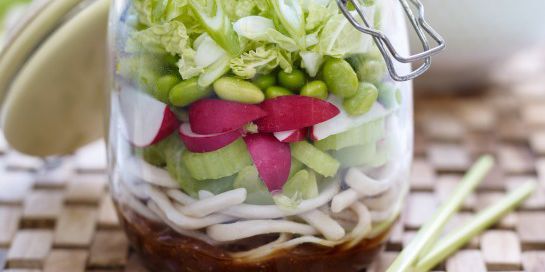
262	250
180	197
362	228
249	228
343	200
381	202
365	185
248	211
180	219
215	203
359	232
149	173
191	233
205	194
135	204
324	224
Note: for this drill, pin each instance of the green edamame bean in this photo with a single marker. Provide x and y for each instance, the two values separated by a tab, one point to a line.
239	90
362	102
372	71
292	81
186	92
387	95
316	89
276	91
340	78
265	81
164	85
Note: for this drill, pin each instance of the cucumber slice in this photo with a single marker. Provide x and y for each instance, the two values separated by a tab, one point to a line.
357	155
367	133
314	158
256	192
220	163
302	183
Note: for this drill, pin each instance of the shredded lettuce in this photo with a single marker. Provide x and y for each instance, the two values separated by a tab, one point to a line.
311	61
261	60
211	14
339	38
237	9
168	37
318	14
152	12
261	29
208	51
290	15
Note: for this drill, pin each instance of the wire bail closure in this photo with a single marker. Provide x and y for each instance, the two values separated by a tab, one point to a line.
385	46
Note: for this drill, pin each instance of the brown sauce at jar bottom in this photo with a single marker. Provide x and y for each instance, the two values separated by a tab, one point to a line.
163	249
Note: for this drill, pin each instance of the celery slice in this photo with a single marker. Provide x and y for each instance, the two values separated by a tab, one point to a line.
357	155
315	159
217	164
295	167
256	192
302	183
367	133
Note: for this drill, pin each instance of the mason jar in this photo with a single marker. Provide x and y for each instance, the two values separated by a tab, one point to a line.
256	135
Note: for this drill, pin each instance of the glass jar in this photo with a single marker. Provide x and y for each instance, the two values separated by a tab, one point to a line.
256	135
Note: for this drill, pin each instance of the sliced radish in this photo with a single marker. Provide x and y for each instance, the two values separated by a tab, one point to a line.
200	143
291	136
294	112
271	158
343	121
209	116
147	120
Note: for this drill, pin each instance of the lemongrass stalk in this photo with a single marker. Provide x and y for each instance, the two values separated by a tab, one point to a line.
481	221
429	233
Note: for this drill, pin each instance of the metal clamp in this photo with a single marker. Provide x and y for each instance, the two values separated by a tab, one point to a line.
421	27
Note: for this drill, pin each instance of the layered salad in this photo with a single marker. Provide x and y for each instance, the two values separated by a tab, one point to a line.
256	135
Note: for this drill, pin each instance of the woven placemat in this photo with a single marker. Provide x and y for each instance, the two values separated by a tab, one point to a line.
62	219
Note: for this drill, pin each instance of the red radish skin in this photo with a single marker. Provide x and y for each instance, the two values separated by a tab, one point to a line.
199	143
146	120
294	112
291	136
210	116
168	126
271	158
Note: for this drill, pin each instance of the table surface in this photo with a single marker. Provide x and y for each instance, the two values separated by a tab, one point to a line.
61	219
